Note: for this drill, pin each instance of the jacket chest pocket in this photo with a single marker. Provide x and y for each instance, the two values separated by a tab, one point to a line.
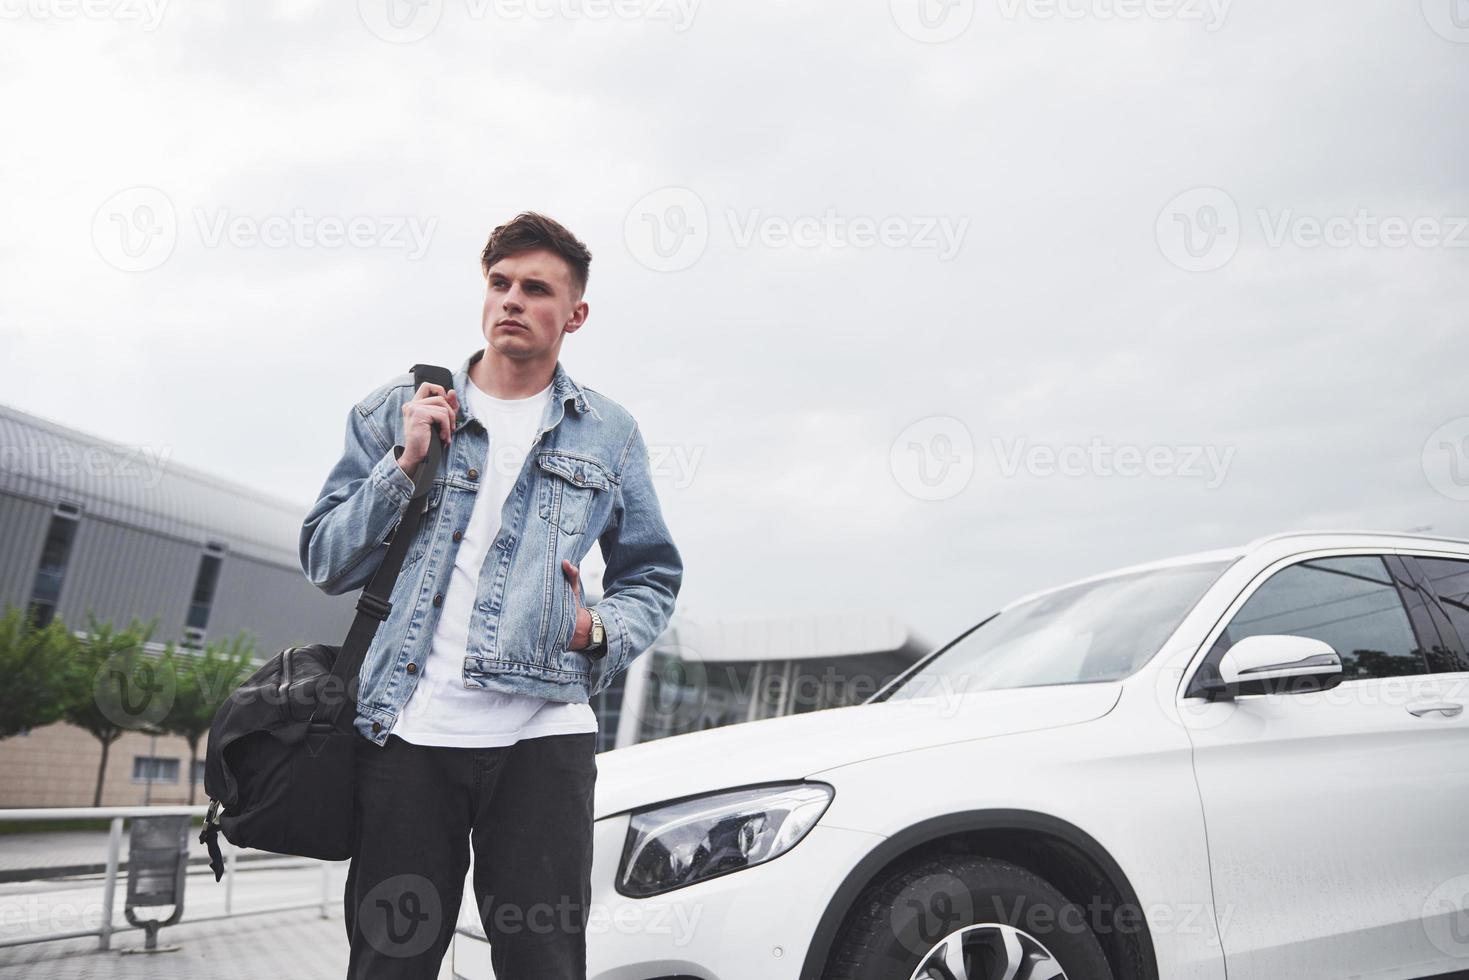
426	523
570	486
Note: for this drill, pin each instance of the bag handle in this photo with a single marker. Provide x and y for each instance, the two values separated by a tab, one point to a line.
375	603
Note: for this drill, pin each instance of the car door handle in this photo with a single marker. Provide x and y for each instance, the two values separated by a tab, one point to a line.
1449	709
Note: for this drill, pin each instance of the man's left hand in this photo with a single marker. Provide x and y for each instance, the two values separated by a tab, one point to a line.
581	636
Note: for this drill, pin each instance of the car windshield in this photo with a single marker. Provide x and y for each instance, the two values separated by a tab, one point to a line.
1097	631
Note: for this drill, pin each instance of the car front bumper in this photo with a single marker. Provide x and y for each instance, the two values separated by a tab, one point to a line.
752	923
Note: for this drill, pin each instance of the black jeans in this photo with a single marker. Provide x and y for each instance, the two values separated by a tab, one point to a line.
527	810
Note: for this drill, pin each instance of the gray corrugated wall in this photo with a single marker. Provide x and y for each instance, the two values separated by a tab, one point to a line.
23	525
119	573
277	604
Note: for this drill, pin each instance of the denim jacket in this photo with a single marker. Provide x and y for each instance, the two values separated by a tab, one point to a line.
585	479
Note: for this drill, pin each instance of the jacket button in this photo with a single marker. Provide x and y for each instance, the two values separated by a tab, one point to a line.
473	474
412	668
438	598
458	535
376	728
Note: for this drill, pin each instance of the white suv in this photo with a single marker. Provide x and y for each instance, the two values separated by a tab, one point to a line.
1254	760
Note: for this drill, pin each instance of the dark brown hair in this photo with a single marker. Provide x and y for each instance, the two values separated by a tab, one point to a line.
528	231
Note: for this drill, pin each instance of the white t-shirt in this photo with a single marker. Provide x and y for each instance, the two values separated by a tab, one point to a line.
441	710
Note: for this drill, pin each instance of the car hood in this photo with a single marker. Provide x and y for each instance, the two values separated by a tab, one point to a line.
797	746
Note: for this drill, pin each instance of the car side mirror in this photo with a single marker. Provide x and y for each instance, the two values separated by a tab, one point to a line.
1278	664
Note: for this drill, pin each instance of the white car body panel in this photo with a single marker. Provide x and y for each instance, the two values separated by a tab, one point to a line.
1232	820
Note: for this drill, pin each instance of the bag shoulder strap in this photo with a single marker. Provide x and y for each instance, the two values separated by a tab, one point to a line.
374	604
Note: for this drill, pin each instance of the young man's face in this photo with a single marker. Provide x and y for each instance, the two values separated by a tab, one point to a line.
530	305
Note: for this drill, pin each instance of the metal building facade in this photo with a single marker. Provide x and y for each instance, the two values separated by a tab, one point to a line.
143	525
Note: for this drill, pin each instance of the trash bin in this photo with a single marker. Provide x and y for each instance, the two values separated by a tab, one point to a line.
158	857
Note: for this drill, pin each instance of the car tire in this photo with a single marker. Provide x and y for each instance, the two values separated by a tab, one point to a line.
985	910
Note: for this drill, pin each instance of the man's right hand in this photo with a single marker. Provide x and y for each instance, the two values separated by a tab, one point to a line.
431	405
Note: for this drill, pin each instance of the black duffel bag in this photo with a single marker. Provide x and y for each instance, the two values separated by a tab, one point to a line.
280	761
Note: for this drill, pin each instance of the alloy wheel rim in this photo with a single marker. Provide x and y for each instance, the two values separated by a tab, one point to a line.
989	951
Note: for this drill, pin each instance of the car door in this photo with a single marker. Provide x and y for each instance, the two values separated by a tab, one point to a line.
1442	582
1317	805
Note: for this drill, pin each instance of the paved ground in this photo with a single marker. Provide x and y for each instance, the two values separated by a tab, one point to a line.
280	946
296	945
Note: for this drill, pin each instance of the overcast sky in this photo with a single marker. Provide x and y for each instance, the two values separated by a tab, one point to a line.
921	307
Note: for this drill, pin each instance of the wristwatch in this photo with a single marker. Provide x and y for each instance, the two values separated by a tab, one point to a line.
597	641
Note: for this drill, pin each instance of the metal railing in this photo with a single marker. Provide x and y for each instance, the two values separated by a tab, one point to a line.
118	814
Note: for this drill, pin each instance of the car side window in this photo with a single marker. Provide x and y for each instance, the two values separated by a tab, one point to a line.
1350	603
1449	580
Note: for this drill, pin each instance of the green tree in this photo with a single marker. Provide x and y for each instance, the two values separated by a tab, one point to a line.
36	664
203	681
116	686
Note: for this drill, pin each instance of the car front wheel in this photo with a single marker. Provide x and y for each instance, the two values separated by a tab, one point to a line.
958	917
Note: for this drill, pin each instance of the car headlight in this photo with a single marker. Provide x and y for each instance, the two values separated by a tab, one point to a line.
708	836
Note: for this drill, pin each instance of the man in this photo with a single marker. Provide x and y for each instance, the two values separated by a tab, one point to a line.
474	691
